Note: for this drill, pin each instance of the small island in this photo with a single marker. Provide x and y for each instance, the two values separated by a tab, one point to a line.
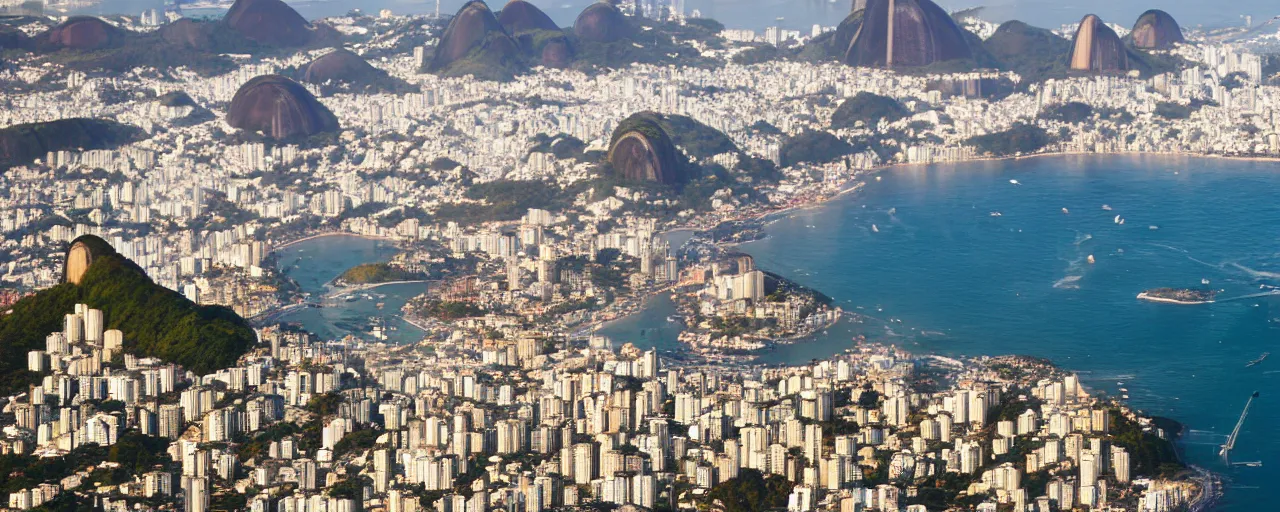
378	273
1178	295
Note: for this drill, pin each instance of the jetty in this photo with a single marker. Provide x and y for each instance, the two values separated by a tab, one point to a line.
1235	433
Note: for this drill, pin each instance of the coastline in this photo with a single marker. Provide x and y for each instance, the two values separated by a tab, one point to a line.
1210	488
329	234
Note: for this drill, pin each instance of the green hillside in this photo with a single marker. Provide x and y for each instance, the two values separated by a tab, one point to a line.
156	321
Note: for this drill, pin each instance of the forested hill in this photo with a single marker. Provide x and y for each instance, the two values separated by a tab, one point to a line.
156	321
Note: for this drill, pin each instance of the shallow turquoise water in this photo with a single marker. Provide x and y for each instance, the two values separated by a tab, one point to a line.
943	274
316	262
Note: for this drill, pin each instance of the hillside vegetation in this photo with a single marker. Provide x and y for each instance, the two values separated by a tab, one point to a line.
156	321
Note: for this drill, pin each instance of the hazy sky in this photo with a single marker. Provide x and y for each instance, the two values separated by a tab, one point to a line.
803	14
1189	13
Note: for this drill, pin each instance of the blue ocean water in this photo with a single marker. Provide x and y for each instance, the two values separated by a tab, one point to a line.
314	263
941	272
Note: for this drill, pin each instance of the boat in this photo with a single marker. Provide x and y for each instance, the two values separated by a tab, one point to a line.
1015	182
1117	219
1064	210
1090	259
875	229
1153	227
1121	222
893	211
1106	207
1204	281
995	214
1260	359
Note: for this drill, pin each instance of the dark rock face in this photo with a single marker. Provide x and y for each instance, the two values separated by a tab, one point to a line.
472	27
85	33
557	54
341	66
1156	30
269	22
601	22
187	32
922	34
13	39
176	99
641	150
23	143
521	16
279	108
1097	48
847	31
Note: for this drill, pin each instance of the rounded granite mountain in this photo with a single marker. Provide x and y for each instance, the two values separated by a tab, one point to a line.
269	22
279	108
474	26
187	32
1097	48
340	65
602	22
1156	30
557	53
81	254
176	99
23	143
521	16
641	150
922	34
84	33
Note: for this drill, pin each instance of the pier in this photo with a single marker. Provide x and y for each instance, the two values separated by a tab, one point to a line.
1235	433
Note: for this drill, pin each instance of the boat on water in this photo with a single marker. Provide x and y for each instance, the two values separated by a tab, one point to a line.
1064	210
996	214
1015	182
1204	281
1091	260
1260	359
1118	219
1106	207
893	211
874	229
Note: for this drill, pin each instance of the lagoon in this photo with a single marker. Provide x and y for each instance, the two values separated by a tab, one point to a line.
314	263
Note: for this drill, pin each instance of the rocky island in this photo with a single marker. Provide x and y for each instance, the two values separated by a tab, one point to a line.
1178	295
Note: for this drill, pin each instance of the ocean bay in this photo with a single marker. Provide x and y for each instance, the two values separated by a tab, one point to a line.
942	273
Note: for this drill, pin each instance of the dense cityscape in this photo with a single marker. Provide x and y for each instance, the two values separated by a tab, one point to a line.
154	168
